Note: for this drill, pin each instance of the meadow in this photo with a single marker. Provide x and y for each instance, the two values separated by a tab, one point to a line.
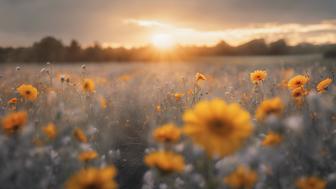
213	122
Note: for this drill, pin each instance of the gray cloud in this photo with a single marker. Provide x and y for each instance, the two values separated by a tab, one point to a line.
23	21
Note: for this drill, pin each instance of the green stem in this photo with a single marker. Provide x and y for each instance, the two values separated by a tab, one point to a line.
209	173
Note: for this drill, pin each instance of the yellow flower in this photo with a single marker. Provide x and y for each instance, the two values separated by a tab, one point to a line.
272	139
311	183
103	102
268	107
28	92
158	108
124	77
89	85
14	122
323	85
241	178
299	93
258	76
80	135
218	127
93	178
199	77
50	131
297	81
87	155
165	161
167	133
178	96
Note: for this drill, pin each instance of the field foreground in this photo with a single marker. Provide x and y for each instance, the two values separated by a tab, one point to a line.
213	123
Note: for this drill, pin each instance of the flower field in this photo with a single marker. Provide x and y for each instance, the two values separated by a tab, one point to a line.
228	123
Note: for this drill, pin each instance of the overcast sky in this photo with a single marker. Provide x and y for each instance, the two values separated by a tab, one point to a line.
119	21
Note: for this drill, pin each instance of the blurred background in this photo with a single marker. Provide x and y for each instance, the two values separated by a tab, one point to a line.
129	30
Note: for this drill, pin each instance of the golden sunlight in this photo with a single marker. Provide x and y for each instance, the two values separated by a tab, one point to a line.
163	41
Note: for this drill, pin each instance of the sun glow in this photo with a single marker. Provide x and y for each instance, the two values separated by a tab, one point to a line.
163	41
294	33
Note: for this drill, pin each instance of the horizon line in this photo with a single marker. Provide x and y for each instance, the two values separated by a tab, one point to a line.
176	45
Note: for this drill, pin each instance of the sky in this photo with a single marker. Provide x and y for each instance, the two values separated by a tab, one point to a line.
189	22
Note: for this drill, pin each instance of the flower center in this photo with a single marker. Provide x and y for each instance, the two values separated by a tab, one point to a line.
272	110
167	139
220	126
297	94
27	92
15	127
312	184
298	83
93	186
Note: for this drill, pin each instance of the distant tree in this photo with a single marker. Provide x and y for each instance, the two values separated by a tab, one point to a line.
330	53
94	53
307	48
48	49
3	54
21	54
222	48
73	52
278	47
254	47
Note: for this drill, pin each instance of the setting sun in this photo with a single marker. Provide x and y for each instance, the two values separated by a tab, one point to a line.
163	41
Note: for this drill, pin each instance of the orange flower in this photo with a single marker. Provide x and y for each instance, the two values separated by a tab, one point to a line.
14	122
297	81
28	92
165	161
268	107
80	135
323	85
299	93
178	96
93	178
199	77
12	101
103	102
158	108
258	76
167	133
272	139
50	131
89	85
87	156
241	178
124	77
311	183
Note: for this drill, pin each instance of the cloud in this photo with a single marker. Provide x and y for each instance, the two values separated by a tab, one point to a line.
323	32
24	21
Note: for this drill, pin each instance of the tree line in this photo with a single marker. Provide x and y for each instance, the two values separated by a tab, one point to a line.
52	49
